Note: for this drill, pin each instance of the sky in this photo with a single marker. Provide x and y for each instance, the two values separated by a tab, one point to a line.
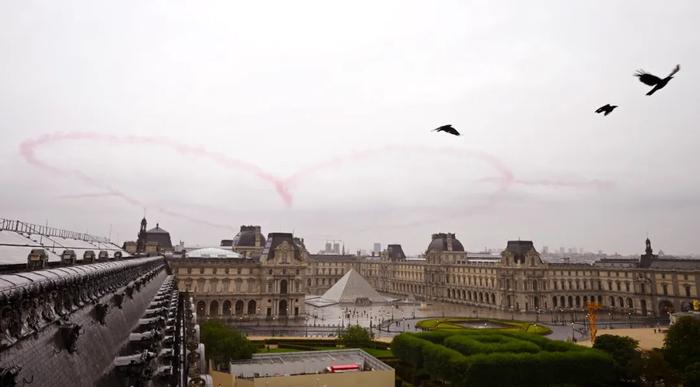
314	117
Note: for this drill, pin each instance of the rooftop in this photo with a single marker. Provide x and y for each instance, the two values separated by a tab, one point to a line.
212	252
302	363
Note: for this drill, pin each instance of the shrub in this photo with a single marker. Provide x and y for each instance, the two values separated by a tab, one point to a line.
501	359
224	344
469	345
681	347
356	337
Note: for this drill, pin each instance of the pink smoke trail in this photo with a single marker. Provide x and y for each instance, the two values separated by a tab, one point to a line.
27	149
282	186
87	195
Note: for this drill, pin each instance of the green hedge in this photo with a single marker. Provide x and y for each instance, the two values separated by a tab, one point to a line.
471	345
501	359
453	324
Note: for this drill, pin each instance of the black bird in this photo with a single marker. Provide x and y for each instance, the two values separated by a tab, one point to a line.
606	109
653	80
448	129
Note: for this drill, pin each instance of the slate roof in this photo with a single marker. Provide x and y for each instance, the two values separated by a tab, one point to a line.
274	239
246	237
519	247
439	242
395	252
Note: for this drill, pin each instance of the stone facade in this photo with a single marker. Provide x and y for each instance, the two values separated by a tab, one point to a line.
270	285
521	281
518	280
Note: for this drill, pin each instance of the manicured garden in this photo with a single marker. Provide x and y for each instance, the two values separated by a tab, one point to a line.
463	323
471	357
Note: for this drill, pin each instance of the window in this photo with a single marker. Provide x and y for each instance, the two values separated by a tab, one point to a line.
201	270
687	290
665	289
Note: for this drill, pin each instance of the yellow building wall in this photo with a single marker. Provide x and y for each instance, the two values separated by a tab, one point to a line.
349	379
222	379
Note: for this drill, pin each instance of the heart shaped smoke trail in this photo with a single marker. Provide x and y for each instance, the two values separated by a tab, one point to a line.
504	176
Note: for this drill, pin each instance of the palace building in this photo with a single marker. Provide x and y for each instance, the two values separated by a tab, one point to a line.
244	285
270	277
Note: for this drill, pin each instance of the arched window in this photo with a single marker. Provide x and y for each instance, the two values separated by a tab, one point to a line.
214	308
239	308
283	308
283	287
251	307
201	308
227	308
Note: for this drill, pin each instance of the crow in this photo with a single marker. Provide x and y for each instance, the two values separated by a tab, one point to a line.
448	129
653	80
606	109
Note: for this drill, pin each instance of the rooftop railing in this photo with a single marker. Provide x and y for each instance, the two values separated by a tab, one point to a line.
30	228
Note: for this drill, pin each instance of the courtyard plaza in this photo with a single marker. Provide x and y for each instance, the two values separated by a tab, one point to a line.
388	320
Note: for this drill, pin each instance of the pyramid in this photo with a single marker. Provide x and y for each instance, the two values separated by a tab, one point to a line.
351	287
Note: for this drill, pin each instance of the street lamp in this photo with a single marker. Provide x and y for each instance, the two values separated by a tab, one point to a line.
572	332
629	318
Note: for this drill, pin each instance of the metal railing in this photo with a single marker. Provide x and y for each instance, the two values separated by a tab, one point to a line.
30	228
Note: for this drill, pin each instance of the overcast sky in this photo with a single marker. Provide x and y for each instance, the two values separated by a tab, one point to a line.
315	117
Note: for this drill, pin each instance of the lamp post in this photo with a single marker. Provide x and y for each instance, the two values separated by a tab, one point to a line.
572	332
629	318
257	318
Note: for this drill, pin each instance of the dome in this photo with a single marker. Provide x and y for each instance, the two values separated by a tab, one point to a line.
212	252
246	237
442	242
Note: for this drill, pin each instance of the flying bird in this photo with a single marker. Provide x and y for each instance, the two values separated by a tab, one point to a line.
606	109
653	80
448	129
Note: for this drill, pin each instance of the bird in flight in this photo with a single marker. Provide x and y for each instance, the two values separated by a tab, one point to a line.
447	129
653	80
606	109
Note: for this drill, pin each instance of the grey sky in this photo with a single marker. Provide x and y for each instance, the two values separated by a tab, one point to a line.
283	85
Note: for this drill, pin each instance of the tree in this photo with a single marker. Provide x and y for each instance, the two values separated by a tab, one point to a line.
224	344
681	347
623	349
356	337
691	375
652	368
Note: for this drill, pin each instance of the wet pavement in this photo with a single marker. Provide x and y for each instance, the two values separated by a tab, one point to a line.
389	320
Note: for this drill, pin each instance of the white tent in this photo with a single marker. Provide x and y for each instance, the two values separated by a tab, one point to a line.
353	288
